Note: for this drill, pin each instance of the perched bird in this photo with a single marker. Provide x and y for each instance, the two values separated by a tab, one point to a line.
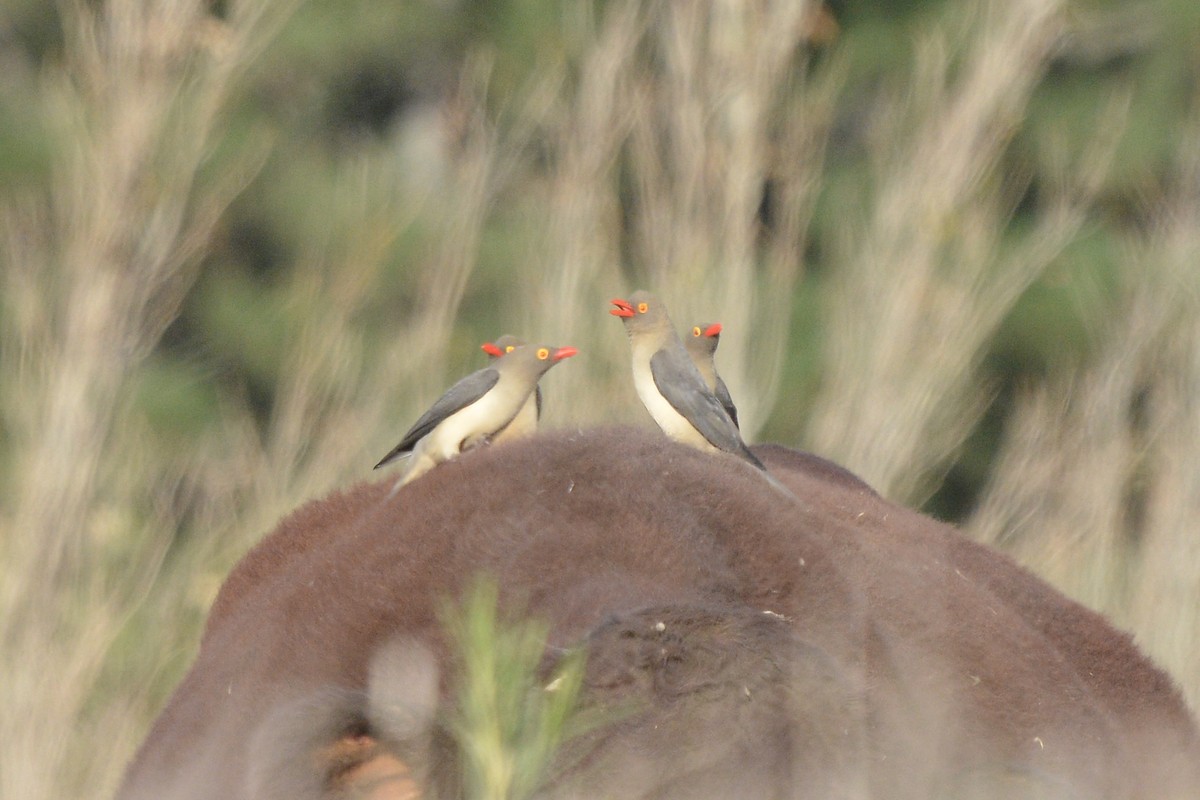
475	408
670	386
702	346
526	420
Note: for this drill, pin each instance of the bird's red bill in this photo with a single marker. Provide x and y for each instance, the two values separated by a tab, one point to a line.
623	308
713	330
564	352
491	349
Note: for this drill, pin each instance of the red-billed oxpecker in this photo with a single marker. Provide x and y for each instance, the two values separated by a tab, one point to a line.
702	346
526	420
668	383
474	409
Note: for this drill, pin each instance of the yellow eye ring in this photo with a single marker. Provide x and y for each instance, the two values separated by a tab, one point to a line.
510	348
696	331
543	354
643	308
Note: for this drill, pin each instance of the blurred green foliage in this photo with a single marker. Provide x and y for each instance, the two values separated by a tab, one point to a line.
509	722
346	74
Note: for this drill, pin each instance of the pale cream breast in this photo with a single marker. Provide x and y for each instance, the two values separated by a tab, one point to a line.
673	424
523	424
484	417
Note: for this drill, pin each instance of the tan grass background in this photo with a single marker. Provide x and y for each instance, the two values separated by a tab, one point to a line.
113	544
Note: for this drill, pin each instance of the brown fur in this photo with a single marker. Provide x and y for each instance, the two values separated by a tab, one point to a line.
830	645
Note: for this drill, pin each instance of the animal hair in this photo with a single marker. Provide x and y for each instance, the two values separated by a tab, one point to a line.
885	654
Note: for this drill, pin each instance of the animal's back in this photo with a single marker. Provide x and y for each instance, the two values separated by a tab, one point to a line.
883	653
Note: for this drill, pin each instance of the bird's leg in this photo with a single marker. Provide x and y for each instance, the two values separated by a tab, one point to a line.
471	442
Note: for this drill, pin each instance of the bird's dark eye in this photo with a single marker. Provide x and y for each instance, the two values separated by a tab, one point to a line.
643	308
543	354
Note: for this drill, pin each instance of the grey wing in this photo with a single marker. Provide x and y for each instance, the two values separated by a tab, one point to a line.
680	383
456	398
722	393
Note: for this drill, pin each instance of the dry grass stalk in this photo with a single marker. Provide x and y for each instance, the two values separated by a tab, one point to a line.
1058	497
918	292
582	245
1096	487
665	144
337	403
706	141
92	280
1166	582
